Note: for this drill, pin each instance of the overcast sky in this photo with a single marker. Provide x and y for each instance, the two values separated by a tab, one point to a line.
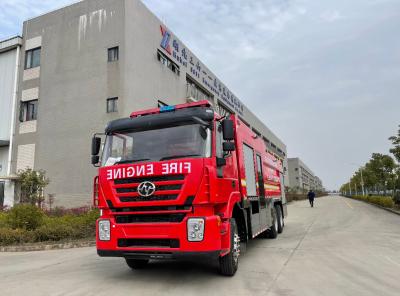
323	75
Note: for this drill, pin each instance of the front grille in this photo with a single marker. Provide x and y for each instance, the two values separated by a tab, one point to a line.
150	198
159	188
151	209
164	243
167	188
156	218
150	179
186	206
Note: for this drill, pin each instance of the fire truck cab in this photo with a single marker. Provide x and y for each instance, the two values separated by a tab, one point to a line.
182	181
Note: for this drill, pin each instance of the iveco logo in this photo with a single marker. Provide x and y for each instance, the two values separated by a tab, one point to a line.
146	189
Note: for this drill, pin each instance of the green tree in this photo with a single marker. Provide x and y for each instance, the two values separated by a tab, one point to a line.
396	143
396	153
381	168
32	184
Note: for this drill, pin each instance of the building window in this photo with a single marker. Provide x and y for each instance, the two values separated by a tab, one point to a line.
28	110
32	58
113	54
196	91
166	61
112	105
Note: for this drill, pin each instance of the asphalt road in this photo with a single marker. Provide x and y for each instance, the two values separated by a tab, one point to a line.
339	247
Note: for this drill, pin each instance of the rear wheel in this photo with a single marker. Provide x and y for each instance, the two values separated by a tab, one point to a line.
280	218
273	231
229	263
136	263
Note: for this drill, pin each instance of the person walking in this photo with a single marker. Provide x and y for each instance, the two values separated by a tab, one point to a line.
311	196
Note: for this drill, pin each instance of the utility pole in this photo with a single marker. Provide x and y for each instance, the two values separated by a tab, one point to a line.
350	186
362	181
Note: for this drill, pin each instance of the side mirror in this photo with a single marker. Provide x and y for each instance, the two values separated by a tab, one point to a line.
96	142
95	159
228	146
227	130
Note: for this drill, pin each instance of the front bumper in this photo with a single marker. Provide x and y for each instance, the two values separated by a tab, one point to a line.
158	255
213	244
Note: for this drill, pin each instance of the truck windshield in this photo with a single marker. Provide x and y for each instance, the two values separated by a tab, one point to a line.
157	144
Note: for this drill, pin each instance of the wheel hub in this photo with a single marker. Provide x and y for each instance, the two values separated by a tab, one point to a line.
236	247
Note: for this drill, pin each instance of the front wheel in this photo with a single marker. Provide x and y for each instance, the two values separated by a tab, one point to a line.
136	263
229	263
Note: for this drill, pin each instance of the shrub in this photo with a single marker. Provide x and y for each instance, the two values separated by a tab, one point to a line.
25	216
383	201
15	236
4	208
68	227
3	220
55	232
387	203
61	211
26	228
397	198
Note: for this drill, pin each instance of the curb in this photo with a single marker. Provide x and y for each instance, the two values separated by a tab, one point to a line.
46	247
378	206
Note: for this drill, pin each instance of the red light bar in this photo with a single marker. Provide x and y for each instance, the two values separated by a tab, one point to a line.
203	103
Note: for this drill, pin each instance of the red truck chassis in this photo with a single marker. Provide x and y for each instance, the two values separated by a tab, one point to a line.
181	181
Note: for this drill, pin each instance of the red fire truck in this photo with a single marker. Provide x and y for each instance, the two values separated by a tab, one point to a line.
182	181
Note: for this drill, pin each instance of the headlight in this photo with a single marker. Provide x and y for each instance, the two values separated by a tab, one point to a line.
195	229
104	230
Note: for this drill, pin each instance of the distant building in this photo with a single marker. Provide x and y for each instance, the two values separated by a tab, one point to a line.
95	61
9	63
301	177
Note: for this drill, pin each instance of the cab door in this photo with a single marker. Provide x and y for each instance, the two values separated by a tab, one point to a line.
251	188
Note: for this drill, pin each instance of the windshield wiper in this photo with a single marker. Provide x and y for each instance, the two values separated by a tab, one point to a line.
178	156
131	160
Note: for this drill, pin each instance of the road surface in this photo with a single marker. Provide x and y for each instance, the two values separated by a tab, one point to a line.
339	247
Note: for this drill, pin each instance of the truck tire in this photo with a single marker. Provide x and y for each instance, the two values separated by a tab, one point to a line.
279	215
229	263
136	263
273	231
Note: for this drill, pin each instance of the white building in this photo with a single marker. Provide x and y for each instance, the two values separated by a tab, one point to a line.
9	64
301	177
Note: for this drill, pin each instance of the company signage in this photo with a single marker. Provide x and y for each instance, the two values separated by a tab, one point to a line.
186	59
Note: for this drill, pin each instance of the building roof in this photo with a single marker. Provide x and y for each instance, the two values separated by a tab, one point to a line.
4	143
10	43
299	162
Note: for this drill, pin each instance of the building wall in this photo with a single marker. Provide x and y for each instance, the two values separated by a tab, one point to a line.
3	160
302	177
74	80
73	83
7	75
8	66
